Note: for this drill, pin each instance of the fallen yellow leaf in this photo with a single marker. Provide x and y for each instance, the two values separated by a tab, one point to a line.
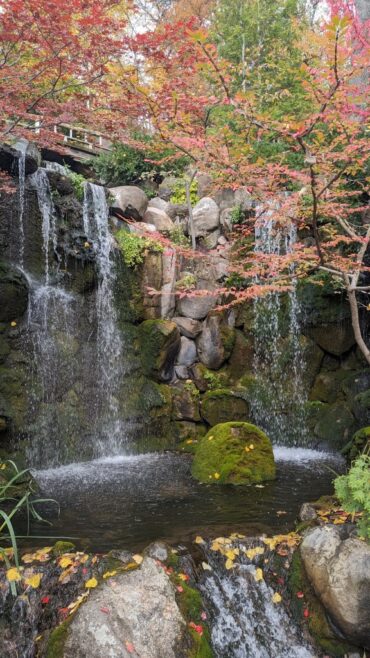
109	574
91	583
258	575
65	562
229	564
13	575
252	552
199	540
34	581
276	598
206	566
137	558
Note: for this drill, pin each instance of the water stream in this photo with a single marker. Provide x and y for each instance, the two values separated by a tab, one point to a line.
22	148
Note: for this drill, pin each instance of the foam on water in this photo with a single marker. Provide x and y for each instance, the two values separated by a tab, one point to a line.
304	456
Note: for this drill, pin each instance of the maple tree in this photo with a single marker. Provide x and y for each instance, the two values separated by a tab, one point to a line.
306	168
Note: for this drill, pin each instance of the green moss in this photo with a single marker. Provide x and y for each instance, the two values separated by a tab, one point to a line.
61	547
236	453
57	640
317	622
191	606
159	344
224	405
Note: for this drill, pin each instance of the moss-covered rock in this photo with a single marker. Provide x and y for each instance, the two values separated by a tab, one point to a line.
159	344
359	442
242	356
223	406
236	453
186	402
335	423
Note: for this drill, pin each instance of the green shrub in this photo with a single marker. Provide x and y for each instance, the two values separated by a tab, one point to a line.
127	165
178	237
78	181
179	193
134	247
353	491
237	215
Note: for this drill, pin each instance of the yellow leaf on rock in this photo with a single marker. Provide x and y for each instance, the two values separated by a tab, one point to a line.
65	562
258	575
276	598
13	575
229	564
109	574
91	583
34	581
339	521
252	552
137	558
251	447
206	566
199	540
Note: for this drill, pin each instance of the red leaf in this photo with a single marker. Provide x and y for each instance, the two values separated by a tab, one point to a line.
300	595
130	647
45	599
106	610
306	612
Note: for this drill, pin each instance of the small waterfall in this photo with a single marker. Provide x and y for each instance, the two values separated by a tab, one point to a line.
55	166
244	620
279	399
40	182
109	365
22	148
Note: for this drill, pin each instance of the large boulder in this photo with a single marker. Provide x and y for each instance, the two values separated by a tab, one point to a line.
188	327
159	219
13	293
339	570
333	338
206	217
9	161
216	342
159	203
132	614
335	424
186	402
224	405
131	200
160	344
234	453
188	352
196	307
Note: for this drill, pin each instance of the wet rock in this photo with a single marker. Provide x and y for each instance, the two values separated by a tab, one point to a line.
196	308
307	512
188	352
9	159
160	344
131	200
223	406
216	342
158	551
13	293
206	217
182	372
159	219
186	402
339	570
335	423
234	453
334	338
143	618
188	430
188	327
60	182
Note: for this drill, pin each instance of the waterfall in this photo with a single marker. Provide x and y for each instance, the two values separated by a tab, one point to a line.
22	148
109	364
40	182
55	166
278	404
244	620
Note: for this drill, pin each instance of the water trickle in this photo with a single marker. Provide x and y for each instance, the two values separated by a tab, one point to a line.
55	166
279	398
40	182
22	148
110	362
245	622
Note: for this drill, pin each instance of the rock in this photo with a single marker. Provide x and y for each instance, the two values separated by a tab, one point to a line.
339	570
3	424
9	159
181	372
186	402
131	200
307	512
225	198
334	338
242	356
223	406
59	182
234	453
204	182
210	241
243	199
359	443
168	287
142	228
334	424
159	203
188	430
160	344
188	327
177	211
196	308
143	614
188	352
216	342
30	148
13	293
158	551
159	219
206	216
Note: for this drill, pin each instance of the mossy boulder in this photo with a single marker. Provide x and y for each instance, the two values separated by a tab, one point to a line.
359	442
335	423
223	406
242	356
186	402
159	345
234	453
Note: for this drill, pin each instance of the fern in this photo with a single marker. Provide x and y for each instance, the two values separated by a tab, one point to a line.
353	491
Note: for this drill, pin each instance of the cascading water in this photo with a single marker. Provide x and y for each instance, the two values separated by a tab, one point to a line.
22	148
244	619
110	363
279	399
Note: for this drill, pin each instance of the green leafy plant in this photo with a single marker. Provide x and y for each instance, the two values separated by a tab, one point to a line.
178	237
353	491
78	181
134	247
237	215
17	496
187	282
179	193
213	380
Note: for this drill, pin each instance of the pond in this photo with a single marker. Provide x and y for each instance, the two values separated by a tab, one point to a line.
129	501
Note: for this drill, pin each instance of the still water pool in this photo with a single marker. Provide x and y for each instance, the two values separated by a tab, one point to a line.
129	501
